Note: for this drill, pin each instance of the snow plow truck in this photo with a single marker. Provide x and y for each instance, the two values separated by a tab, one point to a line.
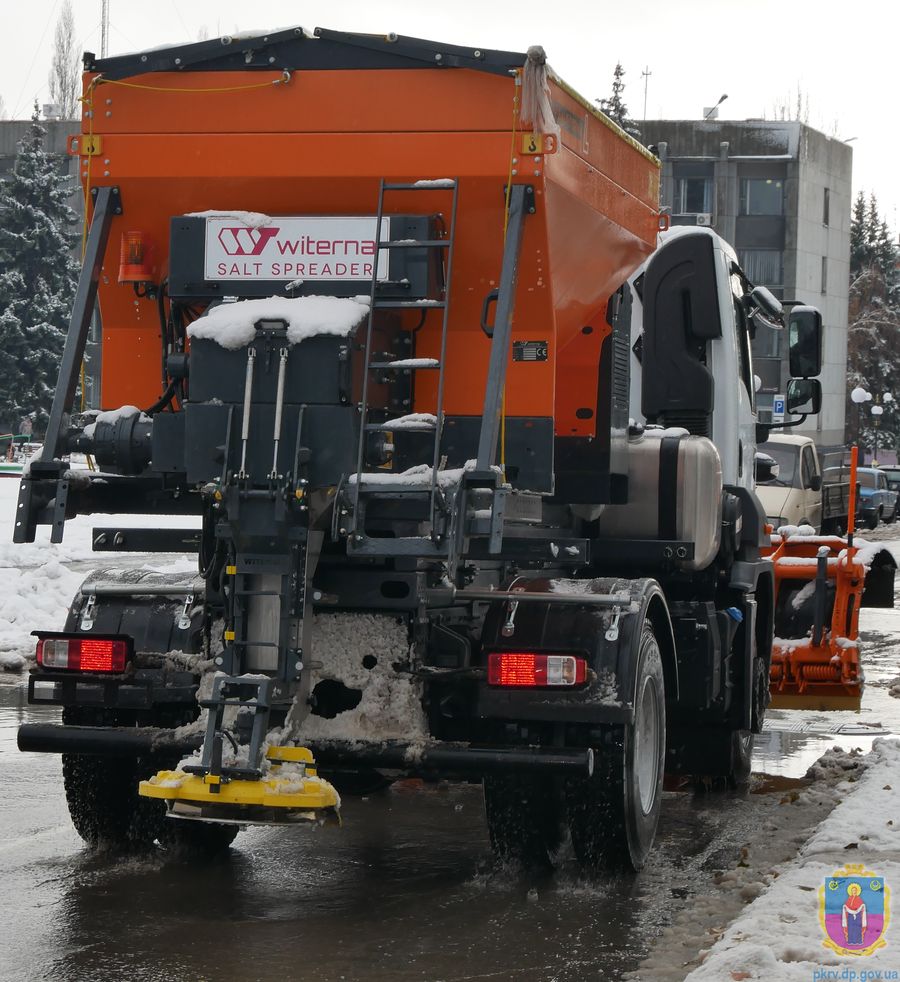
470	446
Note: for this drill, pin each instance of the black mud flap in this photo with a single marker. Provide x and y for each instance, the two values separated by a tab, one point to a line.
879	586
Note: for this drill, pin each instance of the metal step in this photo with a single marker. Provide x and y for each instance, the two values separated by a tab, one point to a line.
409	304
407	363
388	427
447	184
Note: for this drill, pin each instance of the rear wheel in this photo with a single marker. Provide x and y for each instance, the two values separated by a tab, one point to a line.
104	805
613	814
106	809
715	756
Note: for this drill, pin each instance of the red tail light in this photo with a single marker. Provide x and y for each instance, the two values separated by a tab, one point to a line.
82	654
526	669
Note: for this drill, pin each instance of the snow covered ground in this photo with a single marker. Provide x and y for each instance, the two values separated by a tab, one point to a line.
39	579
779	935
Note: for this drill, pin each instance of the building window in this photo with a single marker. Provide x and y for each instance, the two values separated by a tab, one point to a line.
764	267
824	274
826	205
762	196
693	196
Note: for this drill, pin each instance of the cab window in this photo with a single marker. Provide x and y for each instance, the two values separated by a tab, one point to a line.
807	467
745	359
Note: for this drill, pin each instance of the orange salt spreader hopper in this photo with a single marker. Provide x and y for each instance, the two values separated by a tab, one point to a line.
293	124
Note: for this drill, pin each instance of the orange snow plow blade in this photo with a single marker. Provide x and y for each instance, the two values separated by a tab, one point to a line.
820	583
818	669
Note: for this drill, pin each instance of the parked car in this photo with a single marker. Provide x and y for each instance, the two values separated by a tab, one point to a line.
799	494
892	473
877	501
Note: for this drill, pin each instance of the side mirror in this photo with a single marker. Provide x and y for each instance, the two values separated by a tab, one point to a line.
805	341
803	396
815	482
766	468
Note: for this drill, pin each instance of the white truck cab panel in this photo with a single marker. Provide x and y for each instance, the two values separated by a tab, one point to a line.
724	353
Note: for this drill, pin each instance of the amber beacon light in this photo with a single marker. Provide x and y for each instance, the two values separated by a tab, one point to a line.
134	258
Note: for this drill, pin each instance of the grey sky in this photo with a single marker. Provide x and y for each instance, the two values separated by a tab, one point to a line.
840	56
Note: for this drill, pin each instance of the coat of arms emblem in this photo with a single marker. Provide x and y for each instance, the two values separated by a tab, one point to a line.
854	909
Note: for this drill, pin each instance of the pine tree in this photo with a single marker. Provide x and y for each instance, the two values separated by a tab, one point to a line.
615	107
859	252
873	336
37	279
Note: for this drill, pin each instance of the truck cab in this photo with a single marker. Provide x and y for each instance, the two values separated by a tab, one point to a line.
676	369
794	495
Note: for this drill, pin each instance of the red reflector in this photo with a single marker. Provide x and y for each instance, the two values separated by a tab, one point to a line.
83	654
527	669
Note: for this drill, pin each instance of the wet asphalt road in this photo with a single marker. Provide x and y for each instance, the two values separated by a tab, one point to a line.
405	890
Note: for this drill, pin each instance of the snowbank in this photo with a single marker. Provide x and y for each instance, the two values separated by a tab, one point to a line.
232	325
778	936
39	579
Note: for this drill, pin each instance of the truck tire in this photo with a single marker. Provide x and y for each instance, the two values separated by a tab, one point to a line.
525	819
104	805
873	520
109	814
716	757
613	814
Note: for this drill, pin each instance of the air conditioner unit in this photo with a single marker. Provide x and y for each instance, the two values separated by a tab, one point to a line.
704	218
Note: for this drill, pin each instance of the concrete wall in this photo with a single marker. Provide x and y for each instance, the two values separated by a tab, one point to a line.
808	162
825	163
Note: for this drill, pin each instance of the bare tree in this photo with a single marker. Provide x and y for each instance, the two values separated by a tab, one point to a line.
2	107
65	75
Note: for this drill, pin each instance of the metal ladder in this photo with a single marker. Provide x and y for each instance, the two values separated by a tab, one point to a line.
432	545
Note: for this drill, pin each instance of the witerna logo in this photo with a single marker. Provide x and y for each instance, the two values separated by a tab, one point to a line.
854	911
245	241
314	249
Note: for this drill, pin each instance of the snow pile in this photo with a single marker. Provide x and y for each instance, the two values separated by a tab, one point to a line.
869	819
664	432
360	651
36	581
32	600
778	936
803	531
420	475
233	325
413	421
838	764
252	219
113	416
